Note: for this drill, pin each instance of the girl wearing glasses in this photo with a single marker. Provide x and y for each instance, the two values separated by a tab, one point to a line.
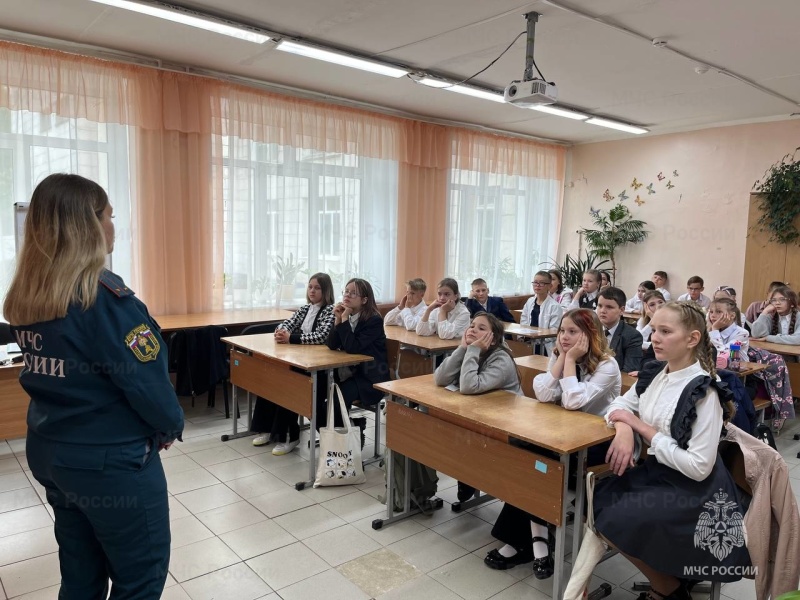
446	316
357	329
541	310
778	321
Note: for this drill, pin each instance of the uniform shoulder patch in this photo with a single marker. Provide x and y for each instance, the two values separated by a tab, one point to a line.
143	343
114	284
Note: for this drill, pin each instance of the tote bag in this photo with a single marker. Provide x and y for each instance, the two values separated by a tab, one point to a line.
591	551
339	460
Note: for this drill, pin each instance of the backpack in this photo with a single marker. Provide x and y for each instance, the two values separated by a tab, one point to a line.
422	483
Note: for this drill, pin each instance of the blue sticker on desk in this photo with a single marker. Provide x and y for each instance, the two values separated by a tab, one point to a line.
540	466
235	363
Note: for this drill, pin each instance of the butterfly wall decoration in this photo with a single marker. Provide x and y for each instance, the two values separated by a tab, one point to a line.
670	184
639	200
622	196
650	189
635	184
660	175
607	196
675	173
595	212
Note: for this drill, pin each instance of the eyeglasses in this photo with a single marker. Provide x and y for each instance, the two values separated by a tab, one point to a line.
778	300
352	294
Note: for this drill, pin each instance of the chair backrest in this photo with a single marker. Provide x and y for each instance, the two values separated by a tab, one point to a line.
260	328
6	337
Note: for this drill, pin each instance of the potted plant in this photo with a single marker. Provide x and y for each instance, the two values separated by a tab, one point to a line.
286	272
615	228
572	269
779	200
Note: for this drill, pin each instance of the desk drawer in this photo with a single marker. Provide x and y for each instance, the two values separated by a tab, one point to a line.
272	380
529	481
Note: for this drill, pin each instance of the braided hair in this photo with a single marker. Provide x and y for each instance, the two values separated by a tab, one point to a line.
791	296
693	318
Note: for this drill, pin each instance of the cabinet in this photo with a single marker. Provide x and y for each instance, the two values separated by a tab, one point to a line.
766	261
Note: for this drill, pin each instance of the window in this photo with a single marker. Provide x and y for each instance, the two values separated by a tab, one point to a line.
290	212
500	227
33	146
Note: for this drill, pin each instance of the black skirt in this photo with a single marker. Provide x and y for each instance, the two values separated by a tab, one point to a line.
674	524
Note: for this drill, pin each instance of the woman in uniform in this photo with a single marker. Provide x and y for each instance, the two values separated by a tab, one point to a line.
102	406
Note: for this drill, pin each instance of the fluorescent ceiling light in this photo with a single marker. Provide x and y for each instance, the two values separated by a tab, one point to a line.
341	59
616	125
186	17
559	112
462	89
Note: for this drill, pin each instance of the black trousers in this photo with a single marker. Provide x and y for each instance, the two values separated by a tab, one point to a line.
513	524
271	418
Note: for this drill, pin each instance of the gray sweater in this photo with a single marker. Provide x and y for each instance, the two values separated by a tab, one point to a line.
498	372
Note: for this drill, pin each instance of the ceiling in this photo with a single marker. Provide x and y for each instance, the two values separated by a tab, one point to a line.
596	68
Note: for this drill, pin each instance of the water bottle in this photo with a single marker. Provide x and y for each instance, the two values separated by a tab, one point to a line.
734	362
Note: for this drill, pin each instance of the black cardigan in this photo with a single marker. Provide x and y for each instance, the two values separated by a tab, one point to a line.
368	338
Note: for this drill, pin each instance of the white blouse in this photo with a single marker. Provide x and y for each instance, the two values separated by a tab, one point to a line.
646	331
308	322
722	340
592	394
665	293
635	304
453	327
656	407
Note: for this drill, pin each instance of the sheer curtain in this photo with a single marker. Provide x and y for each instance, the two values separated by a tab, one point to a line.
503	210
305	189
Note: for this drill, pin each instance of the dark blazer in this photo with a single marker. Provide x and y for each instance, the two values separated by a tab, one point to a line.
627	346
368	338
494	306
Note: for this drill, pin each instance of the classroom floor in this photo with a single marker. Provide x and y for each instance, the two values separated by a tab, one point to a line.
240	531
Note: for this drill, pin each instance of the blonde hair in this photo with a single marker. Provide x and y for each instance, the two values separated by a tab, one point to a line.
63	251
599	350
692	318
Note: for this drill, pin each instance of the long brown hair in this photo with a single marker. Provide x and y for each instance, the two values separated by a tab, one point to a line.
647	297
791	296
587	321
325	286
364	289
63	251
557	274
498	340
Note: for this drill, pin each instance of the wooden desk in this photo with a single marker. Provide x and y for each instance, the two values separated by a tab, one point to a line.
432	345
13	404
791	365
531	366
517	314
528	331
261	366
467	437
631	317
226	318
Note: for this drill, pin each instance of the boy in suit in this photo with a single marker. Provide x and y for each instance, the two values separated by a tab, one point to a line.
623	339
480	301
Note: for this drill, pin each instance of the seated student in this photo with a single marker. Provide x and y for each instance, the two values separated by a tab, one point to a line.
541	310
660	280
778	321
623	339
756	308
481	363
446	316
652	301
605	279
635	304
586	296
311	324
582	375
357	329
723	316
412	305
562	295
725	291
480	301
650	512
695	287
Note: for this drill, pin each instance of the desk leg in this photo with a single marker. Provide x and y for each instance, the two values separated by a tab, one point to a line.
312	432
236	433
561	536
580	500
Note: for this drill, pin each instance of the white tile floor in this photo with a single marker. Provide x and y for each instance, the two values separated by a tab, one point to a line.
241	531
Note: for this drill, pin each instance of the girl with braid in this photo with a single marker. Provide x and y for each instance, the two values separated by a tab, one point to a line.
662	514
778	321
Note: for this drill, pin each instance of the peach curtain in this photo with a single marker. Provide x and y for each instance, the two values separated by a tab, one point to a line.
177	122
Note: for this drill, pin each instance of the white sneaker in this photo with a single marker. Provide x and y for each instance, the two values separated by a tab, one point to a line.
261	440
284	448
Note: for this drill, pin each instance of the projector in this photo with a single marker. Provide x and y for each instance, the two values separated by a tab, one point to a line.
534	92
